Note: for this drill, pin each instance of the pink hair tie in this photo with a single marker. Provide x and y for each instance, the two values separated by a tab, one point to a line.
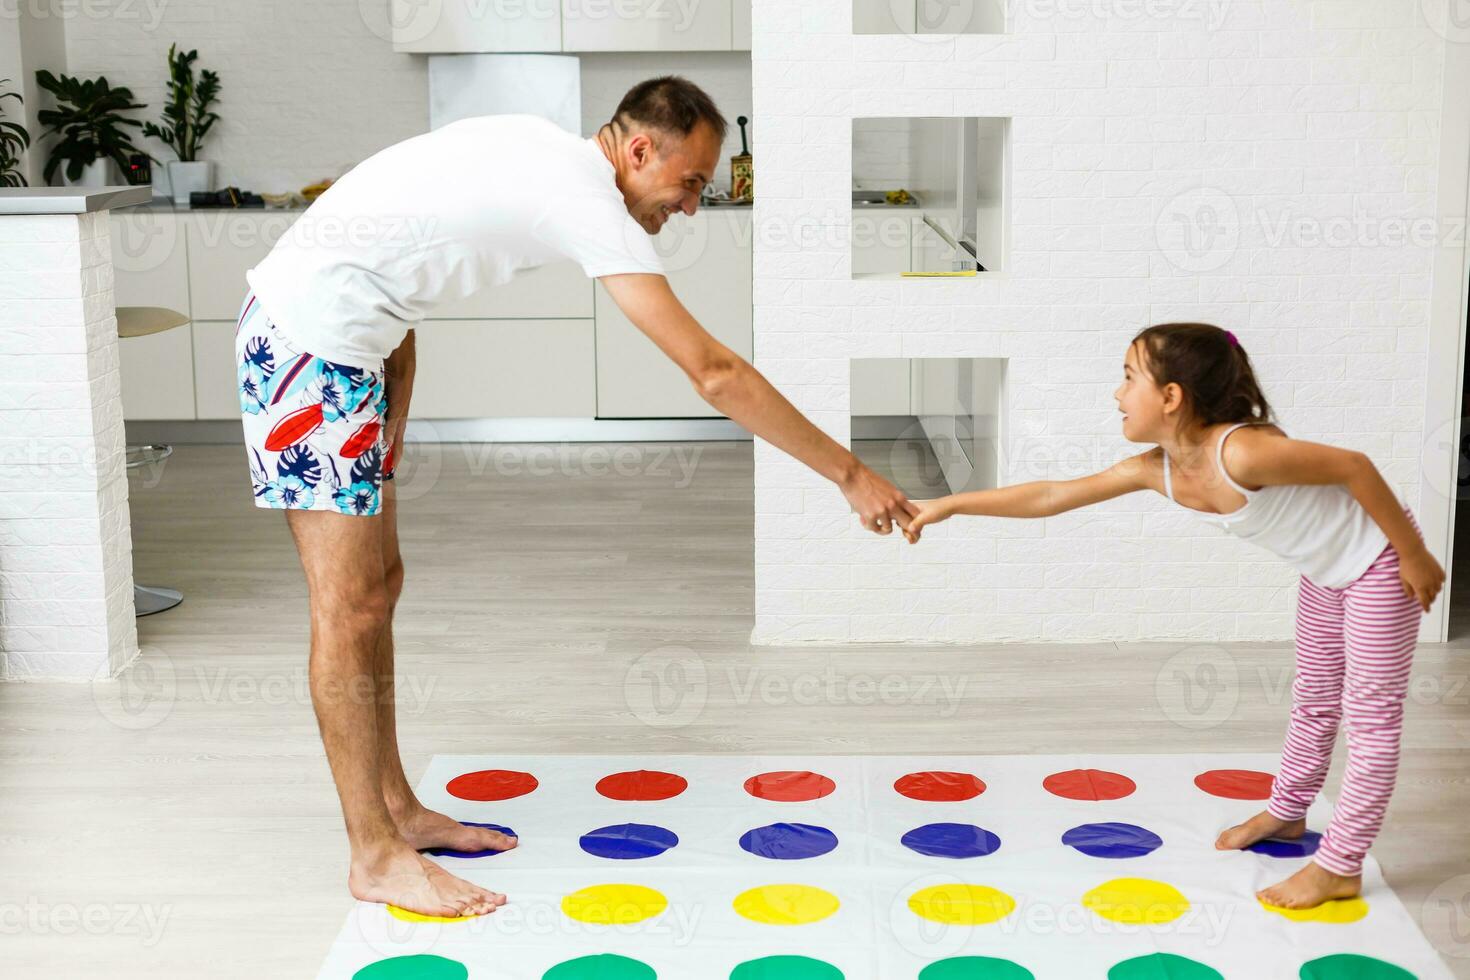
1231	337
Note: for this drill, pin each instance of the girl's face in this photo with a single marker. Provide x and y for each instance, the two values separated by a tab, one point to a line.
1140	400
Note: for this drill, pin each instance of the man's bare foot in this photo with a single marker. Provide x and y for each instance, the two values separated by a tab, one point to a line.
423	828
1258	828
1310	887
396	874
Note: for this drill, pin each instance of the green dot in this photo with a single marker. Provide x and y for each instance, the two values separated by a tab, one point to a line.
602	966
1349	966
421	967
785	968
1163	966
975	968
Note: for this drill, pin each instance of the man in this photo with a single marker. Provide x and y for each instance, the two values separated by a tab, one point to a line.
326	363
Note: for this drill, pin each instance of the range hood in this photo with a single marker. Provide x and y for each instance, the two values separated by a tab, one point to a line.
462	85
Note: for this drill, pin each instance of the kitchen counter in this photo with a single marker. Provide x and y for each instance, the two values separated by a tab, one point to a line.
165	205
70	200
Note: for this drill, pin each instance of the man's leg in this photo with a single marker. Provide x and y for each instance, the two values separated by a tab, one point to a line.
418	825
342	557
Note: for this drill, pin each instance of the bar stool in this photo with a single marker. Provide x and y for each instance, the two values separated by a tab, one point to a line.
140	321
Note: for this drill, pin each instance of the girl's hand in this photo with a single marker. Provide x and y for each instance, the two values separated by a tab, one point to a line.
1421	576
930	512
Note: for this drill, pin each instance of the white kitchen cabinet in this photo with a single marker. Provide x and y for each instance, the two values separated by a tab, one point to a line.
880	386
216	395
157	375
151	269
149	259
740	11
503	369
647	25
881	242
221	247
884	16
559	290
470	26
708	262
928	17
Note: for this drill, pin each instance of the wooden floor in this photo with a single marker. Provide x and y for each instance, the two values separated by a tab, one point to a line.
190	830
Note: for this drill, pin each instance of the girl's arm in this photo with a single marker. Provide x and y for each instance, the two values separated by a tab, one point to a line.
1268	460
1039	498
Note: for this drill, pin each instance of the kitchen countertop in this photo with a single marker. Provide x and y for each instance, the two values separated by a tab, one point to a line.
70	200
166	205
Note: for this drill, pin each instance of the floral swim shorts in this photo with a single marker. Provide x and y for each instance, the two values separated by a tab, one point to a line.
314	430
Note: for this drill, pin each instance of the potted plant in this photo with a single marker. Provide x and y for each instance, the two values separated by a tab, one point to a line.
88	122
13	141
186	121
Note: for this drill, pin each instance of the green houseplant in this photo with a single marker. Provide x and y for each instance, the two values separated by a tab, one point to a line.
13	141
88	122
187	119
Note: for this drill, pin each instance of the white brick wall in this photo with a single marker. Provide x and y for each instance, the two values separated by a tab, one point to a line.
1131	121
66	587
309	89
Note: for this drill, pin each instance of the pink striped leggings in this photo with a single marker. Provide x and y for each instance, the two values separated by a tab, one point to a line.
1354	647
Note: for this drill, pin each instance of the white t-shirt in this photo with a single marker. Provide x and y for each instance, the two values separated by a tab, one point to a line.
441	217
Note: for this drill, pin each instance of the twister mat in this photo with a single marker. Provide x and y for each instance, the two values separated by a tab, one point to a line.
878	868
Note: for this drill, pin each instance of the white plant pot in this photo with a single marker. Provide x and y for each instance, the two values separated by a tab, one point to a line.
185	177
98	173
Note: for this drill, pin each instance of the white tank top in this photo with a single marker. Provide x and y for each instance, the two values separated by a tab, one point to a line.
1320	529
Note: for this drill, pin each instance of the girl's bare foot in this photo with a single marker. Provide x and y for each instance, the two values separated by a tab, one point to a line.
395	874
1310	887
423	828
1258	828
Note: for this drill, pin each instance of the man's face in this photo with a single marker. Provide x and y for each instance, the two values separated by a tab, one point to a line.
665	174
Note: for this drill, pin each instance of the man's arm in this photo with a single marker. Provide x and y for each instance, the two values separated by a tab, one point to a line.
736	389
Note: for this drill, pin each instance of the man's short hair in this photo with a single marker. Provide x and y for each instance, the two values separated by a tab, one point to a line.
669	104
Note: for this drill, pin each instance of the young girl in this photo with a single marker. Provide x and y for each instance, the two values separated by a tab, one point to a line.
1366	573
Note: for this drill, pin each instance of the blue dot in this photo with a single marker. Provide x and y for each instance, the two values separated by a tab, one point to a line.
628	841
1112	840
1305	846
951	840
447	852
788	841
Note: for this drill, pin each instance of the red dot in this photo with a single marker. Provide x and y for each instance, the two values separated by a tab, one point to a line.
940	787
491	784
1236	784
642	784
790	786
1089	784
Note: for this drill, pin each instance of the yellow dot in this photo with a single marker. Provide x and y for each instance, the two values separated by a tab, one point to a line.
786	905
408	916
614	905
1136	901
1338	912
962	905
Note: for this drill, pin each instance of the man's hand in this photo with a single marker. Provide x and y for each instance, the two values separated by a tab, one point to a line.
1421	576
879	504
929	512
